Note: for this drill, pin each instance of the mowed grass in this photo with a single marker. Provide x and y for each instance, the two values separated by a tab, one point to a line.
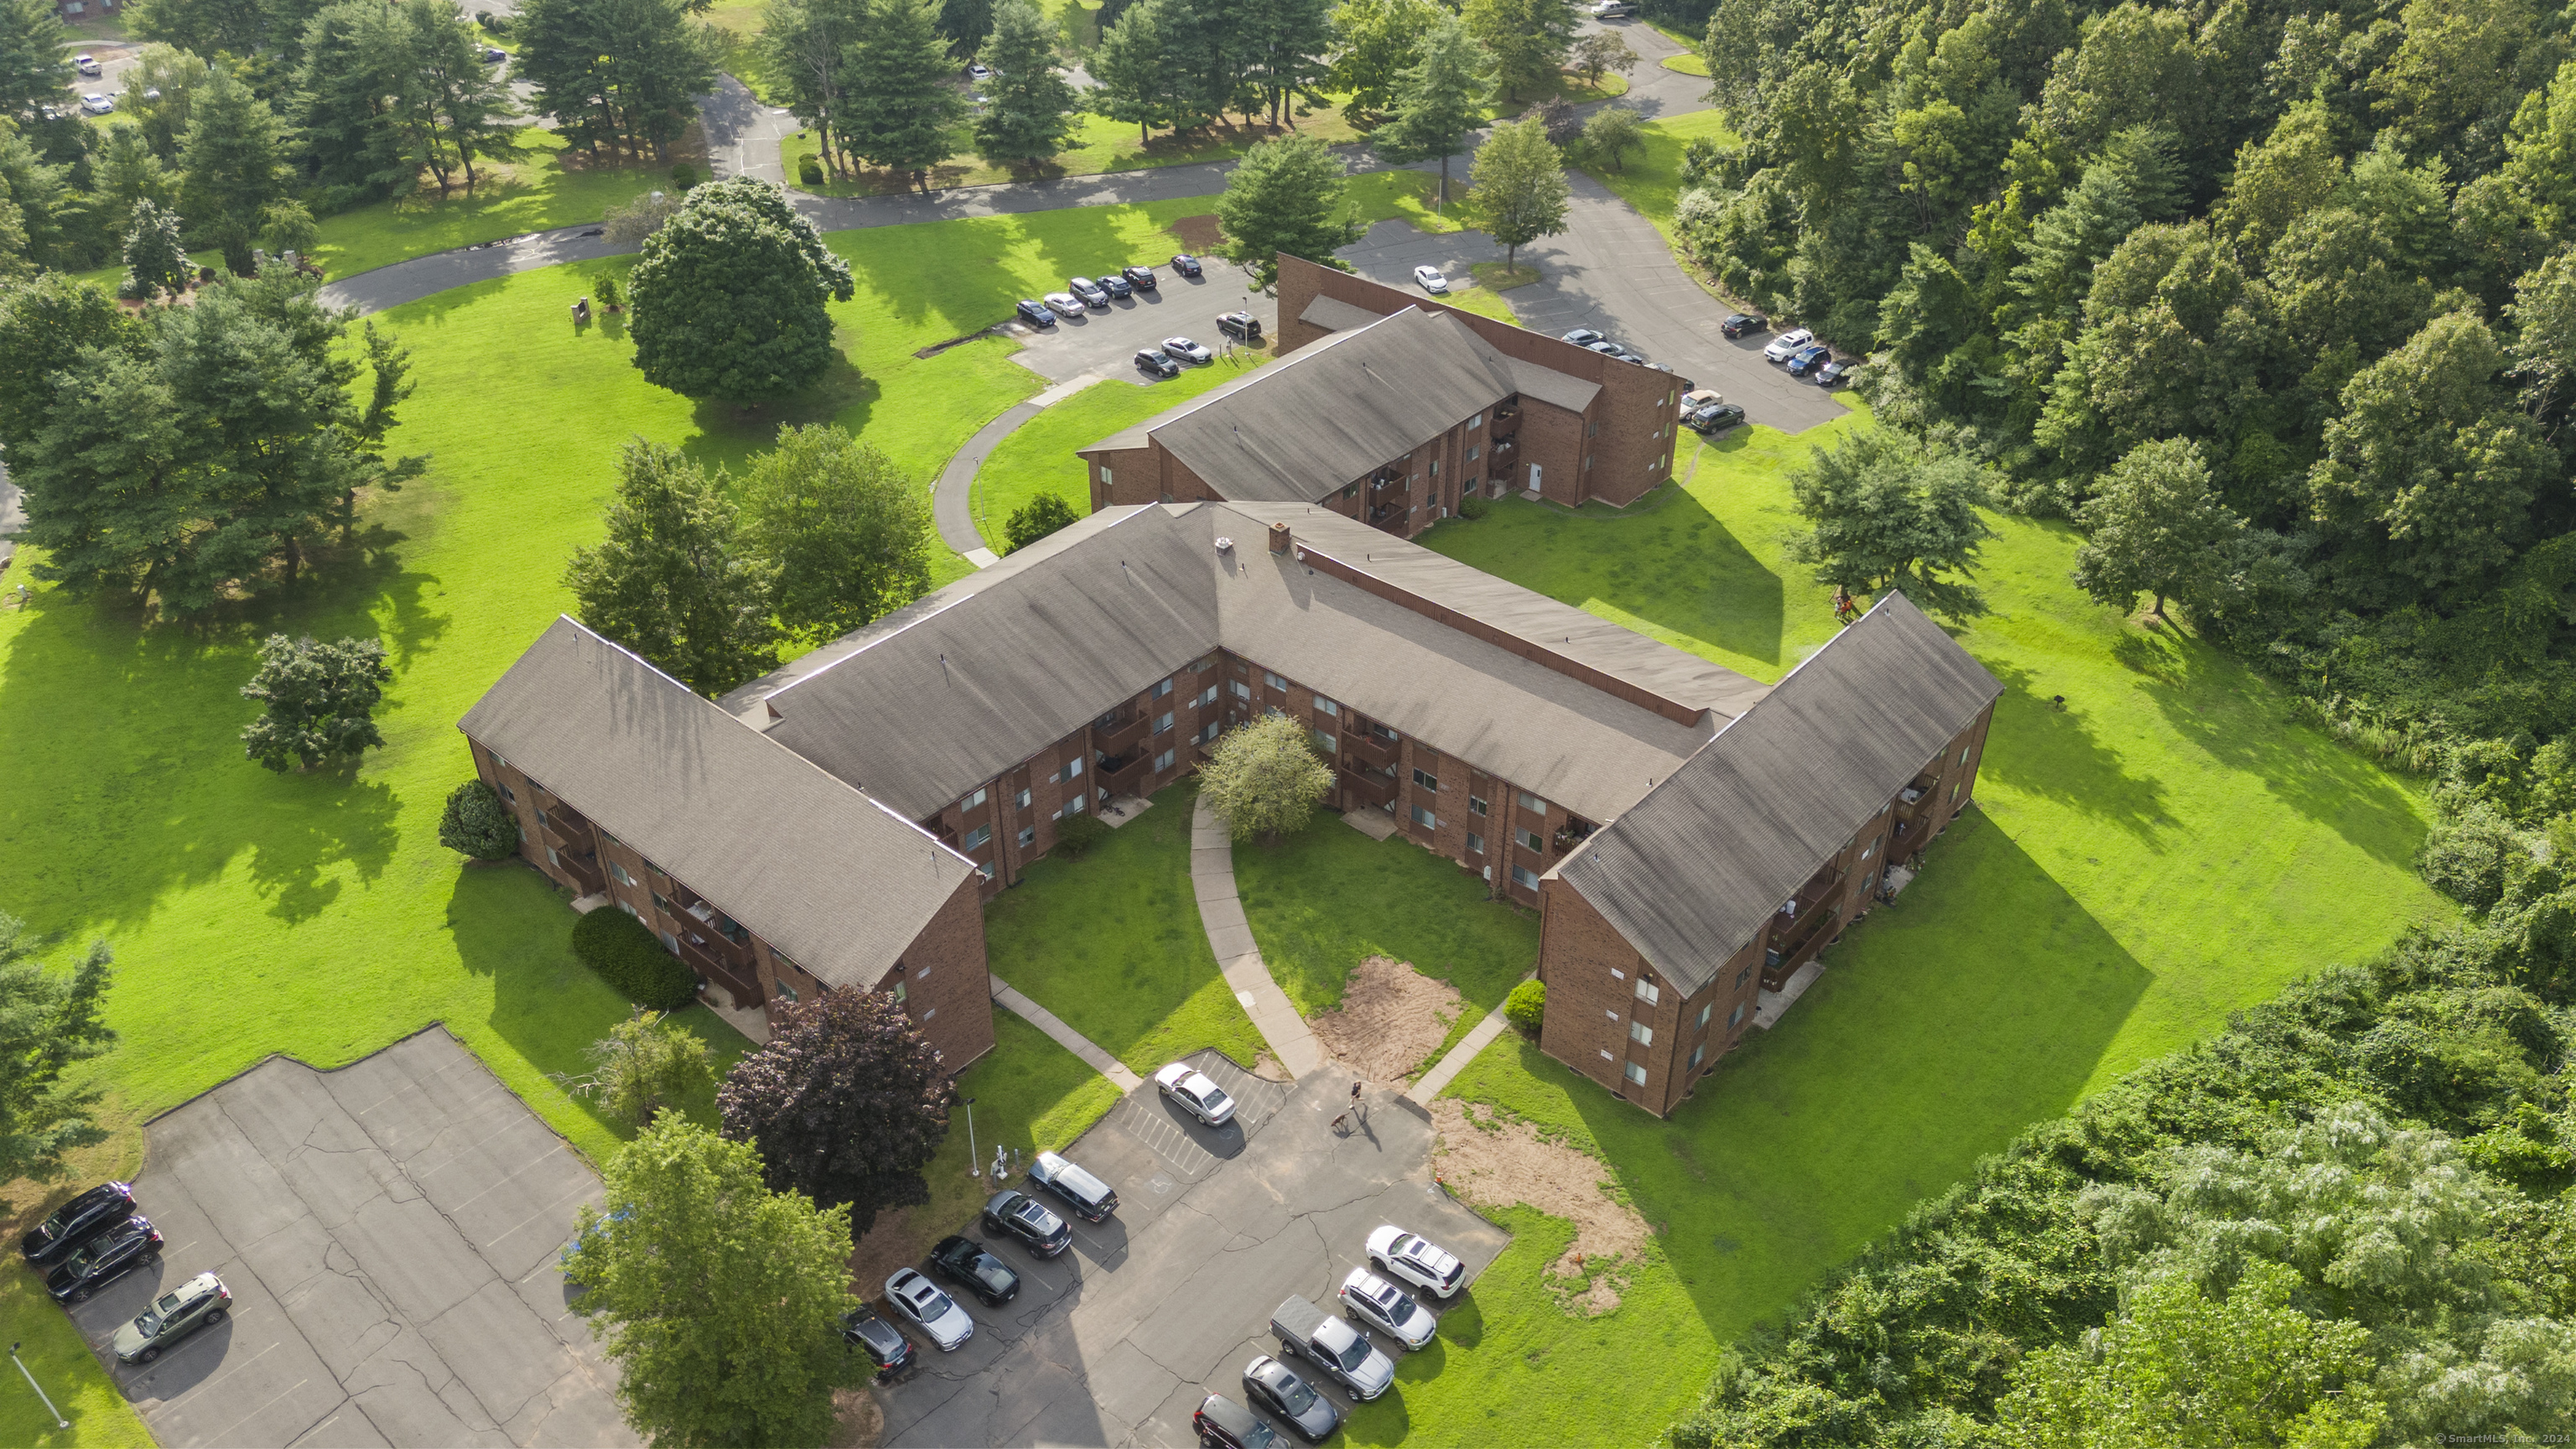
1651	181
1112	944
2169	847
549	187
53	1351
1038	455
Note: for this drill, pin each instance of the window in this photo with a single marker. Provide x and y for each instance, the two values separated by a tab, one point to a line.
551	857
786	992
1426	780
1028	836
1591	427
1207	696
1524	878
1162	721
1021	800
1587	462
543	819
1702	1023
1326	743
1477	421
1164	760
1743	976
1476	803
1104	475
1735	1016
1641	1034
901	992
629	908
1160	690
1073	805
1471	455
1954	792
1869	850
1963	754
1273	680
1207	733
927	1015
1425	818
619	872
1475	843
1435	467
1636	1074
976	837
662	904
1241	689
508	795
1648	992
1532	803
1698	1052
1326	706
1529	840
1071	770
971	802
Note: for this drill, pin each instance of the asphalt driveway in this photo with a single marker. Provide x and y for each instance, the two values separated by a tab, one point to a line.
1104	343
388	1232
1118	1340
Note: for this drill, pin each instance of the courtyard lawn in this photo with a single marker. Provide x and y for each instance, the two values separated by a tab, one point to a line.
1038	456
1652	179
1112	944
549	187
2169	847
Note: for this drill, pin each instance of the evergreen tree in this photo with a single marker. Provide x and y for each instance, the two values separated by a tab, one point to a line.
319	701
475	823
1210	54
672	581
806	44
49	1021
729	296
1282	199
156	262
967	22
620	73
47	211
125	174
33	70
467	105
1284	42
1527	38
47	324
847	533
1373	41
1031	115
232	164
1520	185
236	28
903	109
1438	99
354	86
1133	71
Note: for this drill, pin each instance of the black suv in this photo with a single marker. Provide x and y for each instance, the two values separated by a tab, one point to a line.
963	1261
81	1219
1223	1422
1021	1216
1155	363
1116	285
103	1259
868	1331
1143	277
1241	326
1185	264
1715	418
1739	323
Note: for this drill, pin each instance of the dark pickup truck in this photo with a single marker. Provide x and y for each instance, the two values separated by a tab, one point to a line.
1334	1346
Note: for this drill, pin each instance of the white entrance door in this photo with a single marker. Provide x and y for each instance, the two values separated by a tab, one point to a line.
1533	478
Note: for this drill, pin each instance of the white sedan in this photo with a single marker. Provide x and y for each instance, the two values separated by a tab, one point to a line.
938	1315
1202	1098
1389	1309
1416	1259
1432	280
97	105
1185	349
1788	344
1064	304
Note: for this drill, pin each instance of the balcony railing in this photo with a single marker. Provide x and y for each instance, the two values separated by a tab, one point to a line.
1116	772
1367	787
1113	737
1368	746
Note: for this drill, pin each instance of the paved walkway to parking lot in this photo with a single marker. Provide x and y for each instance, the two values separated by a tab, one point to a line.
1065	1036
389	1232
1229	934
1118	1340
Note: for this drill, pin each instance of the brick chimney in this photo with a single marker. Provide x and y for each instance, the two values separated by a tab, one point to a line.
1279	538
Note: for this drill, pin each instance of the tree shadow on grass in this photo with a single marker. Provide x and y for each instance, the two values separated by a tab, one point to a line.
729	433
1979	1003
310	829
2042	750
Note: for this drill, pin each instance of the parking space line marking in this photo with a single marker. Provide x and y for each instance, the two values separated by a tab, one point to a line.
237	1368
226	1436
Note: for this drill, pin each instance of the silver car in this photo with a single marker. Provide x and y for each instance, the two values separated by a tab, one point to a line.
1197	1095
1388	1309
937	1314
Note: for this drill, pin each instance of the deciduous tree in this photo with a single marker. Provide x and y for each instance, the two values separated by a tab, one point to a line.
160	93
1374	42
1036	519
1264	778
845	531
1521	190
673	581
48	1021
1031	112
1883	514
1611	134
846	1103
477	825
1282	199
1528	40
719	1300
1438	98
807	46
2156	527
318	701
1600	53
729	296
644	1066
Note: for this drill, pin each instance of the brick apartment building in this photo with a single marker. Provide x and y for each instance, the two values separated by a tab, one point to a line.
1389	408
1496	727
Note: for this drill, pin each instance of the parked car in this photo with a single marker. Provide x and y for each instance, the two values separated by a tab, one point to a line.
1836	371
201	1302
1417	1260
1787	344
494	55
1433	280
1151	360
867	1330
1185	264
1241	326
1064	304
1701	397
1613	10
1186	350
963	1261
1197	1095
979	72
932	1311
76	1222
1604	346
103	1259
1116	285
1141	277
1583	337
1015	1214
1224	1424
1035	312
1342	1353
1809	358
1714	419
1275	1389
1091	292
86	64
94	104
1739	323
1390	1310
1087	1195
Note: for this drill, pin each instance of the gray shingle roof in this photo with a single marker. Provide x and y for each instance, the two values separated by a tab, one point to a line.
1548	385
1335	315
812	866
1691	871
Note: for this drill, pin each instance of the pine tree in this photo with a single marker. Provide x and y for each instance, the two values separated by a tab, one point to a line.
1284	42
156	261
1438	99
232	162
1133	71
902	110
356	81
1031	114
1282	199
1529	40
320	701
806	44
33	71
469	107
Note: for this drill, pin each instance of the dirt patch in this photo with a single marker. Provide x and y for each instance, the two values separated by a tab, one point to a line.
1198	233
858	1421
1392	1018
1495	1161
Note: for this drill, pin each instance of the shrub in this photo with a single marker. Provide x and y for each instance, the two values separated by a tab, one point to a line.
627	955
477	825
1034	520
1526	1006
809	170
2469	856
1474	506
684	175
1076	834
610	295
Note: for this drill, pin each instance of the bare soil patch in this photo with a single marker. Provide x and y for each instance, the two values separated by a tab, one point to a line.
858	1420
1495	1161
1198	233
1392	1018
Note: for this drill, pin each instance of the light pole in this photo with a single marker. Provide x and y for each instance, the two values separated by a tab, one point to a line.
974	1162
59	1421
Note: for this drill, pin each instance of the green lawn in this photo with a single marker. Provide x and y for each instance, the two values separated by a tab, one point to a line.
548	188
1652	179
1112	944
2169	847
52	1350
1688	63
1038	455
1030	1095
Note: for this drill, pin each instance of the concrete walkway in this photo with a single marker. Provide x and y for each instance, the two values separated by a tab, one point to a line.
1438	1078
1065	1036
1230	936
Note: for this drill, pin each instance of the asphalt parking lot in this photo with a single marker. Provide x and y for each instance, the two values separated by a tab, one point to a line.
1104	344
1118	1340
388	1231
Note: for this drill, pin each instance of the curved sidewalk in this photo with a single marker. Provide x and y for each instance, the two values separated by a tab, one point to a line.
1230	936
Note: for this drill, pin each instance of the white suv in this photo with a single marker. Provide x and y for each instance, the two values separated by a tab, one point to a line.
1788	344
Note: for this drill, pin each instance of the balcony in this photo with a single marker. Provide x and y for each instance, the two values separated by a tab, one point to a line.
743	985
1365	789
1120	774
584	869
1364	745
1572	833
1112	733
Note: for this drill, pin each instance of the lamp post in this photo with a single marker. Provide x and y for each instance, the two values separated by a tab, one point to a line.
59	1421
974	1162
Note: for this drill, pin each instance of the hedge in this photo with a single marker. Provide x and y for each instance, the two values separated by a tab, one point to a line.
628	956
1526	1005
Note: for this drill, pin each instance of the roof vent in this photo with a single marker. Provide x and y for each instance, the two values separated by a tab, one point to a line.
1224	544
